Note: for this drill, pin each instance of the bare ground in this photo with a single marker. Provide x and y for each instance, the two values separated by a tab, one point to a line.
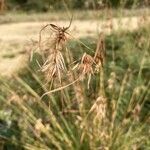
15	35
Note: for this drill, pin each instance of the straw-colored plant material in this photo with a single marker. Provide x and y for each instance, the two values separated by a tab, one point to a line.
54	64
85	67
100	53
99	107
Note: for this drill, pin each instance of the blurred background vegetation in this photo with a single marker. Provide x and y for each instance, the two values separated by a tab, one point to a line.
47	5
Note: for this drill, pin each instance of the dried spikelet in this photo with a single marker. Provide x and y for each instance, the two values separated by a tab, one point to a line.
58	37
86	67
39	127
86	64
99	107
54	66
100	53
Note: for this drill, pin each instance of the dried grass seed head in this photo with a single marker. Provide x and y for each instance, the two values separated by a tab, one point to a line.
100	53
54	66
59	36
86	64
99	107
85	67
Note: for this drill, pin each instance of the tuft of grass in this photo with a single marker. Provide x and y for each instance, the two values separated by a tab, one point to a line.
110	112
